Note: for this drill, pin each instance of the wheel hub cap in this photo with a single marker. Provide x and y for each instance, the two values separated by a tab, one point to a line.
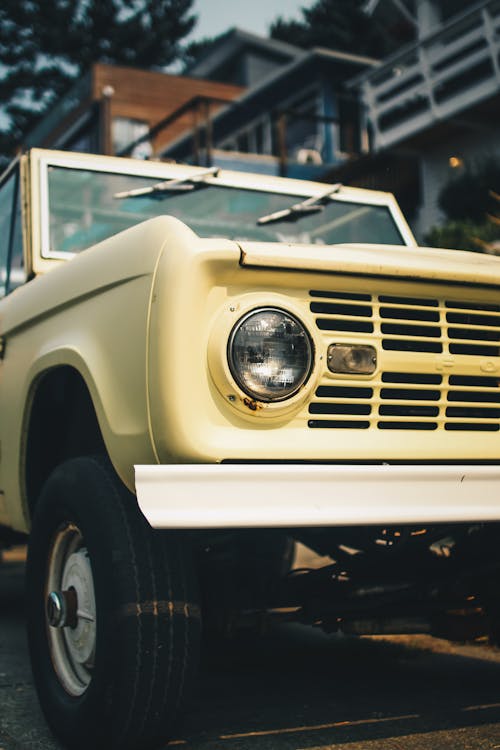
71	611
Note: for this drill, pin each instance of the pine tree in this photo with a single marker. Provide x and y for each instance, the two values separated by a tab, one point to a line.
340	25
343	25
196	49
46	44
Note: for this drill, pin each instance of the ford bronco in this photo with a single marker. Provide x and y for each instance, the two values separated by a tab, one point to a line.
202	372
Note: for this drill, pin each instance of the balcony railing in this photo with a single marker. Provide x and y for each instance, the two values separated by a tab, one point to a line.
434	79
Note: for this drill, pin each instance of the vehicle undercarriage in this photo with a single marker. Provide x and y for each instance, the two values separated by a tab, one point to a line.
439	579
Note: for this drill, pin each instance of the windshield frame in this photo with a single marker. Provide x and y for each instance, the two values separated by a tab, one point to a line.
42	160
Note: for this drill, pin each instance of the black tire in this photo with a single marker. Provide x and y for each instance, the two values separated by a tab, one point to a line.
145	638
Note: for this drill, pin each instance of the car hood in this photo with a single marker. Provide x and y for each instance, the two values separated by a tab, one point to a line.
395	261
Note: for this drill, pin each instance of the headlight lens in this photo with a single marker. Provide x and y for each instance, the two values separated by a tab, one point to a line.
270	354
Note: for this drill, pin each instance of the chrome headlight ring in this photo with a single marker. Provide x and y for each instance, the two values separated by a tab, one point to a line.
270	354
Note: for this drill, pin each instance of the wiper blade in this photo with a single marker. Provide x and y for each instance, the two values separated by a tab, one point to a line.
177	184
309	206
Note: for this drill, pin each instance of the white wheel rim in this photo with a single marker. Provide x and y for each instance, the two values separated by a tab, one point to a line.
72	647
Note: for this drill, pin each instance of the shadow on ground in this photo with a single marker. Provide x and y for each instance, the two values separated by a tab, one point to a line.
295	689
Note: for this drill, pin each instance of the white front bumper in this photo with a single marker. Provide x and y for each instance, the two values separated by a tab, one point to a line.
202	496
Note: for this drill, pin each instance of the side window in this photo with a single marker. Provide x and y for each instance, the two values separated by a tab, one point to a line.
17	274
7	192
11	245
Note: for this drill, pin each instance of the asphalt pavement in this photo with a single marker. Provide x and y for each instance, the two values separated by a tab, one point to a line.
295	689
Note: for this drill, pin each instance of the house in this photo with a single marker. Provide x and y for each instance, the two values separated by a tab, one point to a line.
406	124
120	110
295	118
432	107
249	103
242	59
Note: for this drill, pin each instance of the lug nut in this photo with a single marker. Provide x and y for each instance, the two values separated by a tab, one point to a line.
62	609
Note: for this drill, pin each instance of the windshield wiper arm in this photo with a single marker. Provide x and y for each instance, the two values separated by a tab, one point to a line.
309	206
177	184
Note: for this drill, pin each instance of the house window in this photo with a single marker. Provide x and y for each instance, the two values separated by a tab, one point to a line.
126	131
297	127
303	129
254	139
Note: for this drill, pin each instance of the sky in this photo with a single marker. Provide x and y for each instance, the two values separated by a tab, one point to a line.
217	16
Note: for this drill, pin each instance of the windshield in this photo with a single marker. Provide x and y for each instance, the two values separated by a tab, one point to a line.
83	210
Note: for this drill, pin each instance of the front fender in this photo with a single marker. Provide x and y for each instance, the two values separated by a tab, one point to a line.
90	314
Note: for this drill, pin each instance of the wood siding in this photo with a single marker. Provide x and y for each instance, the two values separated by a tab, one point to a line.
150	97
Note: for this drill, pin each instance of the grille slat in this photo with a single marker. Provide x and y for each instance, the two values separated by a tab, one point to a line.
472	427
414	301
356	296
411	378
408	410
475	350
331	308
400	425
406	394
339	424
344	324
400	329
472	412
474	334
409	313
340	408
411	345
474	396
472	306
470	319
343	391
474	381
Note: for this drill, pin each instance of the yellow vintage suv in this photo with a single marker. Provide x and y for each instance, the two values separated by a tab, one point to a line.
202	372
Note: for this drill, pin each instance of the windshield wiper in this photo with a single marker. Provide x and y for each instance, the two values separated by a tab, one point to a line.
309	206
177	184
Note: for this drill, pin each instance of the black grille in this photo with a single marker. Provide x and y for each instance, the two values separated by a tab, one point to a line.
412	324
474	331
475	399
409	399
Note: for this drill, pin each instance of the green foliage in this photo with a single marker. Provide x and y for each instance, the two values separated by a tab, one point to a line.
471	203
464	235
469	196
47	44
340	25
195	50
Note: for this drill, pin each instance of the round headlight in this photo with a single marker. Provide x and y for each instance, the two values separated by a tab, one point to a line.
270	354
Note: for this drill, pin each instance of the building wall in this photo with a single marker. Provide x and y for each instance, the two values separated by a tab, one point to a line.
257	67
